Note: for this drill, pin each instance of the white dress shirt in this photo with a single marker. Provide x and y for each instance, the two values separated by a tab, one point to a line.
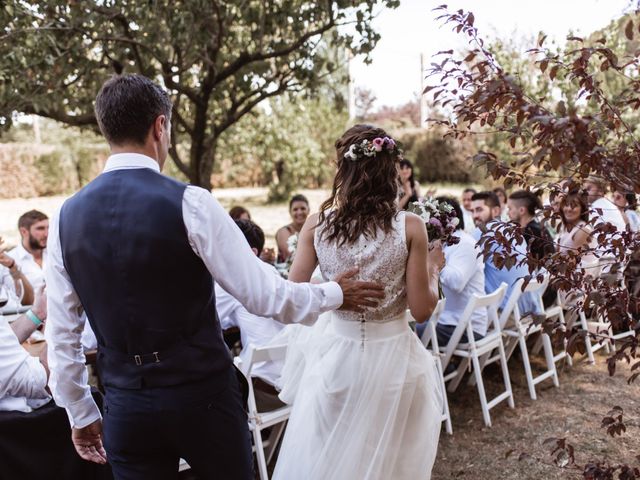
22	377
469	224
610	213
216	239
28	266
461	277
254	330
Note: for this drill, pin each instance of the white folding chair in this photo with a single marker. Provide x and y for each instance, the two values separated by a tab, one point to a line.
517	328
473	351
258	421
430	341
591	324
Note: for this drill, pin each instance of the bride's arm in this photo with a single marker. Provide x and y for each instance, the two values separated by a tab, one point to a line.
305	259
422	271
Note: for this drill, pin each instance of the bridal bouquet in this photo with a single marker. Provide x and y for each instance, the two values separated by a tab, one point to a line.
440	218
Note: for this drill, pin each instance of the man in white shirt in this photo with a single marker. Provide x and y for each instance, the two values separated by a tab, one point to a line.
461	277
601	208
23	378
467	214
13	281
31	253
254	330
171	390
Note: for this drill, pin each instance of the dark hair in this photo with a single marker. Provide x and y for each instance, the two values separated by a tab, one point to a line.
490	198
407	163
467	190
501	190
127	106
298	198
237	212
632	200
365	191
253	233
29	218
575	197
456	208
527	199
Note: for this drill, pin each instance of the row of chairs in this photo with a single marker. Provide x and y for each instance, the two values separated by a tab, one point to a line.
508	330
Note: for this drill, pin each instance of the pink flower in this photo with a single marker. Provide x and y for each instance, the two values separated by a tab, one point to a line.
435	222
378	143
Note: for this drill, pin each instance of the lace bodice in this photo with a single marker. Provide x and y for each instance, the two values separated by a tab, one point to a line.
382	259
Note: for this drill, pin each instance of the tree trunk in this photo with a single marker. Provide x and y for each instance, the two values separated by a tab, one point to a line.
201	156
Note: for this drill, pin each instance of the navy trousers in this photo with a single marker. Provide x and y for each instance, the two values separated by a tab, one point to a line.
147	431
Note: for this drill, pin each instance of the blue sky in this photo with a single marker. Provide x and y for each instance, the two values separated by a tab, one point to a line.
394	76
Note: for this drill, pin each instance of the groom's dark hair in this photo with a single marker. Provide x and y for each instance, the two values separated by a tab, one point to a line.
127	106
253	233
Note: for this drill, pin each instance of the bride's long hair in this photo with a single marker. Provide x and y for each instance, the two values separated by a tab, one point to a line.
365	190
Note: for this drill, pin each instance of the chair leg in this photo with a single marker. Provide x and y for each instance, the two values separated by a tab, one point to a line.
481	393
548	353
522	341
460	371
260	459
505	375
445	401
587	339
274	437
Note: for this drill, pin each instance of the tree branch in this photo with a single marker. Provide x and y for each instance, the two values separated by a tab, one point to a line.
246	58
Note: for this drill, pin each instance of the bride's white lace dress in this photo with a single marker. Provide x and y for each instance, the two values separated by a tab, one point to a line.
366	399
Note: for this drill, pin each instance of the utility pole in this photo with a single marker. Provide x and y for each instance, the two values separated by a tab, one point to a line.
424	107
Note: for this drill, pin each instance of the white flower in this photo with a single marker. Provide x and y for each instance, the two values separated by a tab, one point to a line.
351	154
292	243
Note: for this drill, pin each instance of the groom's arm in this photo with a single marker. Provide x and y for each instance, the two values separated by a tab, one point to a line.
216	239
68	379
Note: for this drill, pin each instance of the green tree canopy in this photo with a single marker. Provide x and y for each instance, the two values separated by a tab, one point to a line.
219	59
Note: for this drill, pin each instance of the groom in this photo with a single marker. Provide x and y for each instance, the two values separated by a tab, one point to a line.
139	252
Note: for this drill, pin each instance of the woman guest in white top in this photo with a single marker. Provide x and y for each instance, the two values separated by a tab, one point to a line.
461	277
627	204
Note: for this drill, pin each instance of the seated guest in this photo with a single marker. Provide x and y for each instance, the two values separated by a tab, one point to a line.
28	414
410	191
239	213
461	277
254	330
486	211
502	197
575	234
627	204
23	378
522	207
299	211
469	226
601	208
14	280
31	252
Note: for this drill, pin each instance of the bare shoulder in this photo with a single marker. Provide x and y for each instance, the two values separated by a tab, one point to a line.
414	226
413	222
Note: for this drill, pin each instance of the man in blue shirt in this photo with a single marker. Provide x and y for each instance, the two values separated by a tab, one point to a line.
485	207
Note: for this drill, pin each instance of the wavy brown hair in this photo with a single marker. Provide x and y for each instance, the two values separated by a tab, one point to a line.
365	191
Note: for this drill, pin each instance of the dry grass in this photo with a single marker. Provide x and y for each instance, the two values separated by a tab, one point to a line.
572	411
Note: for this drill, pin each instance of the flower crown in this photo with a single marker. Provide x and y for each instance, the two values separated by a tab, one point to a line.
369	148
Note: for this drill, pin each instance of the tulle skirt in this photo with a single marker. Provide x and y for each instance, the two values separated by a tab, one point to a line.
362	409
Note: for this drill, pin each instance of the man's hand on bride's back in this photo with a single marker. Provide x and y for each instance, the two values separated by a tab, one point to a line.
358	294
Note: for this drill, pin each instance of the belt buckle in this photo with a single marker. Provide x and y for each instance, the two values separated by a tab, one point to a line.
138	359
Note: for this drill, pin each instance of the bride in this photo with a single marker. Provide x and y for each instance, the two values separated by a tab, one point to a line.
367	399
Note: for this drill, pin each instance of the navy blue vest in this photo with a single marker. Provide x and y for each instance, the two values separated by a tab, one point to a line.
149	298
